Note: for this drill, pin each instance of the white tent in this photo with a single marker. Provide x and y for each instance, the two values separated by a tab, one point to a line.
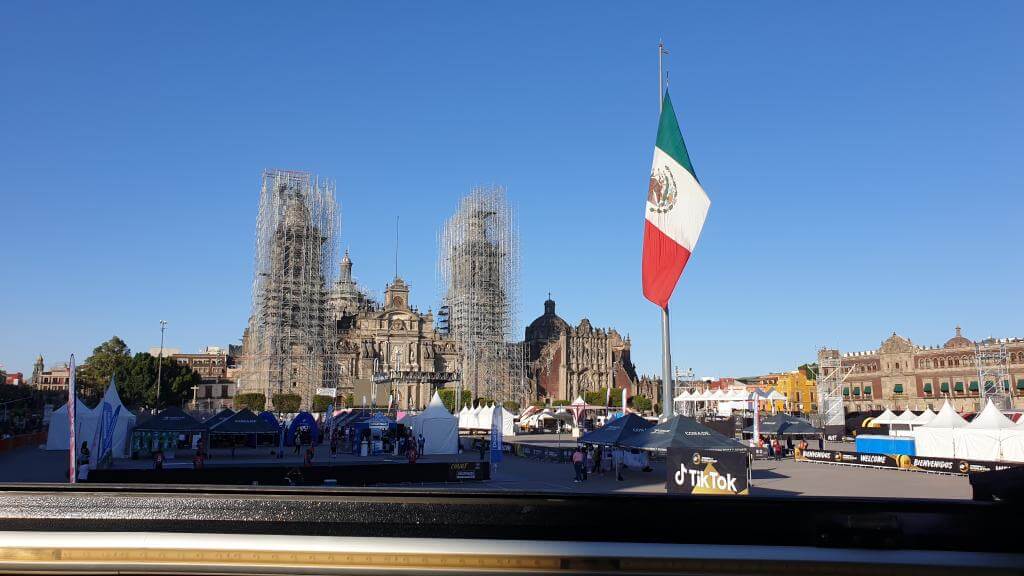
684	396
439	428
85	427
409	421
776	395
473	418
463	417
483	421
887	417
1011	443
907	417
936	437
120	444
507	426
924	417
981	439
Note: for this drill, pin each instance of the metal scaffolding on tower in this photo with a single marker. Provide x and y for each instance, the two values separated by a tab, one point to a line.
831	375
994	372
287	347
478	272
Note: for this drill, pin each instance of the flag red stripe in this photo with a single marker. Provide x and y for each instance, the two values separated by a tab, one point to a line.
663	263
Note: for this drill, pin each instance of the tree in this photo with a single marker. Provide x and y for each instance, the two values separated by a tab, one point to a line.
601	396
110	359
810	370
511	406
481	401
641	403
560	403
253	400
320	403
138	385
448	397
350	400
287	402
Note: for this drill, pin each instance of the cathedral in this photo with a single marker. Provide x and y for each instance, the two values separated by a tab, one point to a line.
386	349
566	361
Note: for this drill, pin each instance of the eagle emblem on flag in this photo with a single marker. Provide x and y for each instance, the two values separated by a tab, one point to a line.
661	195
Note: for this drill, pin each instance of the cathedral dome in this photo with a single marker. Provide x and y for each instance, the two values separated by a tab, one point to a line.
548	324
957	341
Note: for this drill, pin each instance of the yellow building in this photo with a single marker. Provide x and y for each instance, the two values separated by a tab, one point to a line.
801	392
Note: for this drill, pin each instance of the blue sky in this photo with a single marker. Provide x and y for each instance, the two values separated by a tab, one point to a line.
876	146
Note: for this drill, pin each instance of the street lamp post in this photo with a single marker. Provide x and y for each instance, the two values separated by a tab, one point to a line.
159	365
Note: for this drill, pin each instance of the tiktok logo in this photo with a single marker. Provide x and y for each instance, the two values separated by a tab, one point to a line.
681	474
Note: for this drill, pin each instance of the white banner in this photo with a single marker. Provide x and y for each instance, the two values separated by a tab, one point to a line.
332	392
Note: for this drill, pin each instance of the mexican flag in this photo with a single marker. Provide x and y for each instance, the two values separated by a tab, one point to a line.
675	211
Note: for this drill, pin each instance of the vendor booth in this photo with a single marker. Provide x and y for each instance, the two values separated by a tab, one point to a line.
372	433
58	436
165	432
304	427
782	424
617	430
218	418
244	428
439	428
936	437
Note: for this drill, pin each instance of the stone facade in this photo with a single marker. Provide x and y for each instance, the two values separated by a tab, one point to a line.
565	361
901	375
57	378
392	343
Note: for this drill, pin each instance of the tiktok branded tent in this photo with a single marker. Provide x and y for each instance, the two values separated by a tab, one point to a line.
682	432
439	428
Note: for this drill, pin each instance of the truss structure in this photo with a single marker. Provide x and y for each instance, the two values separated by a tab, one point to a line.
993	372
287	346
478	272
831	376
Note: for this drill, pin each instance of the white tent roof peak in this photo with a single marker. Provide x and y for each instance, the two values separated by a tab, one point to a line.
906	417
991	418
924	417
886	417
436	400
946	418
579	401
111	396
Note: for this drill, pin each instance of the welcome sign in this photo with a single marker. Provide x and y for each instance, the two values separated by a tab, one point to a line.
692	471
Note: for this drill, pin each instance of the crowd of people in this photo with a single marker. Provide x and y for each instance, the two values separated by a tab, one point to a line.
597	460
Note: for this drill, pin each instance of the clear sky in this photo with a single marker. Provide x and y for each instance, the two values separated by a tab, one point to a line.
864	162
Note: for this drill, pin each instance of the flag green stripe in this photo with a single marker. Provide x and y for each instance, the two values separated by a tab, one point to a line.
670	138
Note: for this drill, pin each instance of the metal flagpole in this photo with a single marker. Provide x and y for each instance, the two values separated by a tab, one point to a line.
666	352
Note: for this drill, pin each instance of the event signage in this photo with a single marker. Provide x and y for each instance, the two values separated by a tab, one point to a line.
332	392
496	435
903	461
692	471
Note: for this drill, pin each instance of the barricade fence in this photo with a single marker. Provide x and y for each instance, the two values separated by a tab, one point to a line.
957	466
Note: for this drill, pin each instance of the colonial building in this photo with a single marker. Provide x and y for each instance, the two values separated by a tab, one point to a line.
565	361
901	375
213	364
387	349
57	378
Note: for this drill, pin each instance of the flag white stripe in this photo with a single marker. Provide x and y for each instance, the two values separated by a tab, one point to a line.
685	220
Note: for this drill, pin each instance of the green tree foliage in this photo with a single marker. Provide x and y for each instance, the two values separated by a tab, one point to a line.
287	402
448	397
511	406
560	403
320	403
137	386
642	403
110	359
598	398
253	401
350	400
482	401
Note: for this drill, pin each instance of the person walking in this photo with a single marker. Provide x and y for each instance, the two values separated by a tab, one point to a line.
585	462
577	464
308	460
777	448
420	442
334	445
597	460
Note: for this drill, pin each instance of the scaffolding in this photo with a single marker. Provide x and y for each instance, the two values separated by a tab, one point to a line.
993	365
831	376
478	271
288	346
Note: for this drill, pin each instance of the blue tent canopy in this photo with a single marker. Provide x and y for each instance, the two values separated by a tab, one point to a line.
617	430
304	422
269	417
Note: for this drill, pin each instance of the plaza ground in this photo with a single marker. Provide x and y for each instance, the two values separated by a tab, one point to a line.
769	477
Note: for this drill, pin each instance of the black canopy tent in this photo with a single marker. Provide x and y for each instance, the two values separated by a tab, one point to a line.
682	432
617	430
246	423
784	425
218	418
162	431
173	419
